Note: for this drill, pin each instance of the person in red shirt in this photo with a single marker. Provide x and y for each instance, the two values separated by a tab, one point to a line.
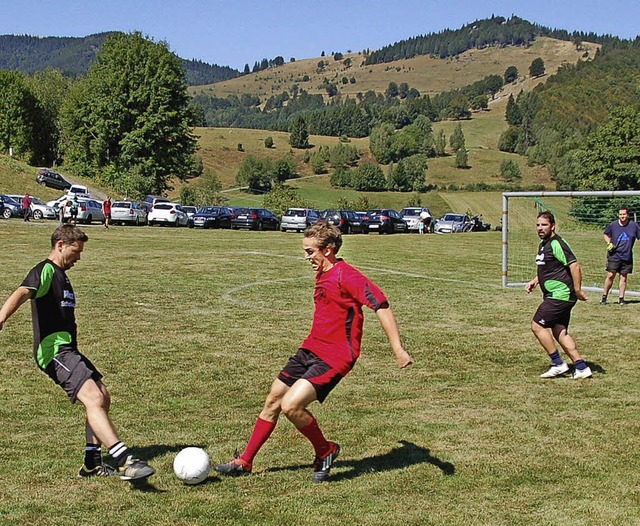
327	354
106	208
26	207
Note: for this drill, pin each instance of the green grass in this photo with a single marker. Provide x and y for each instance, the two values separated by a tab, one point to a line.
190	327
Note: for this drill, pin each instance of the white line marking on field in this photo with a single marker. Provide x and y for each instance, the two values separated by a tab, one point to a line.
382	271
228	295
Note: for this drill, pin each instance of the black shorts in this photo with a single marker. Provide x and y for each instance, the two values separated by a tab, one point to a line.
70	370
554	312
619	266
306	365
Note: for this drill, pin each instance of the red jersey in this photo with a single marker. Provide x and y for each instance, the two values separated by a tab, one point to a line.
336	332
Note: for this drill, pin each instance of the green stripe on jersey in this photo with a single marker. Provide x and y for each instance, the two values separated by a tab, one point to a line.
46	278
50	346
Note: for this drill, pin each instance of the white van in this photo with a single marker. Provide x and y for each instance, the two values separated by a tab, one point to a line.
78	189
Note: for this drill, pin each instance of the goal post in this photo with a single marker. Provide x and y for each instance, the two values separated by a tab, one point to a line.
581	218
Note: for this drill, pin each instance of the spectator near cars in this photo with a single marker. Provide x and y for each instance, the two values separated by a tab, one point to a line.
213	217
415	216
255	219
86	211
38	209
128	212
167	213
298	219
52	179
348	221
385	221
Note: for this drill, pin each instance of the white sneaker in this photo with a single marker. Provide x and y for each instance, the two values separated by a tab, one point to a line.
556	370
585	373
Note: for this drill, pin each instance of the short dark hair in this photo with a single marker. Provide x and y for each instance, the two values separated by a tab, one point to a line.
326	235
548	216
624	208
68	234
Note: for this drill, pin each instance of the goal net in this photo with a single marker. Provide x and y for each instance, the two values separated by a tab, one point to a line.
581	218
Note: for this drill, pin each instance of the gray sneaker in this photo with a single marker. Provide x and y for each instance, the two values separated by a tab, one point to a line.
555	370
134	469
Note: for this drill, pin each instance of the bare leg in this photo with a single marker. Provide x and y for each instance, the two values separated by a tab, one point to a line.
608	282
96	400
623	285
567	342
544	336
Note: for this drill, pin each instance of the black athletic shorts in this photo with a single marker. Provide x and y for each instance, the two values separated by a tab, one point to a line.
619	266
70	370
306	365
554	312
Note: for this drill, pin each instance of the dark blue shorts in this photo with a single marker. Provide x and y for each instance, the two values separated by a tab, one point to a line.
306	365
70	370
554	312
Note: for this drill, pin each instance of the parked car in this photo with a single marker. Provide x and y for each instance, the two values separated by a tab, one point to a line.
11	207
79	190
88	210
213	217
451	223
150	200
38	209
385	221
348	221
164	213
190	211
298	219
128	212
52	179
255	219
413	215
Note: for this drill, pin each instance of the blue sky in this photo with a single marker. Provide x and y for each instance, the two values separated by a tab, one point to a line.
236	32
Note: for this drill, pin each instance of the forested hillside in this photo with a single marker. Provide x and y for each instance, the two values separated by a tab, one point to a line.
74	55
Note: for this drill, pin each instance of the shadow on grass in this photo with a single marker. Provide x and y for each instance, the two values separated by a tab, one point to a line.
408	454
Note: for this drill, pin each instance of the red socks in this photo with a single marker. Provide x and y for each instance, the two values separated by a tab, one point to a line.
313	432
261	433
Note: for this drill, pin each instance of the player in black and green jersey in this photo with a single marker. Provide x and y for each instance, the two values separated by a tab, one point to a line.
56	352
560	278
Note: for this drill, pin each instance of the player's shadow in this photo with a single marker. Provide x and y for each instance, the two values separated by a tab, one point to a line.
407	454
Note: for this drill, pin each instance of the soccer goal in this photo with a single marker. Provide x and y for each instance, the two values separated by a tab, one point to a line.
581	218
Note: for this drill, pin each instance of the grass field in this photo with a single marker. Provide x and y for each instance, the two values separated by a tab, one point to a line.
190	327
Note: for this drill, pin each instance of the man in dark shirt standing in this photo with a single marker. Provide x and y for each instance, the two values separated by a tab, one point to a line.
560	278
620	237
56	352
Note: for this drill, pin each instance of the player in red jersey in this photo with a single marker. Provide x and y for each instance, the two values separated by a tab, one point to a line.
326	355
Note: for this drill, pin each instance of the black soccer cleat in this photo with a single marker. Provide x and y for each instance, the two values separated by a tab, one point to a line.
322	465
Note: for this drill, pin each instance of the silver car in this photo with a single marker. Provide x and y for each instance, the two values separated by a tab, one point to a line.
298	219
88	210
413	215
128	212
452	223
39	210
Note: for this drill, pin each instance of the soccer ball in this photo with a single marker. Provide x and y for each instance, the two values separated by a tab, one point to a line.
192	465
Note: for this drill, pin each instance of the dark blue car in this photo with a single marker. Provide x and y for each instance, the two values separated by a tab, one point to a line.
213	217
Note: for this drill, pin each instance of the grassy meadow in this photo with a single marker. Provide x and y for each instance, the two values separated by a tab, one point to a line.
190	327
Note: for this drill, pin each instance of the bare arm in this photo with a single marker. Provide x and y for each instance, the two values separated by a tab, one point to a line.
13	303
390	326
576	276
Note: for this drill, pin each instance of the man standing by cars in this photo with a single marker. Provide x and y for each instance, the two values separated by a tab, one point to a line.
620	236
56	352
26	206
326	355
560	278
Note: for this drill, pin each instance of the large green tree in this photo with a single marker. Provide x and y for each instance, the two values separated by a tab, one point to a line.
610	160
131	114
19	111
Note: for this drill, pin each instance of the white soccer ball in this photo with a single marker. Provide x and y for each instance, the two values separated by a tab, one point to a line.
192	465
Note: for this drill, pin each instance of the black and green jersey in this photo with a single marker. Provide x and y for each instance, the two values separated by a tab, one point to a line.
53	311
554	277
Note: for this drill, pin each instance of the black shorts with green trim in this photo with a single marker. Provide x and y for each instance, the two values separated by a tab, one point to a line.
552	312
70	370
304	365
